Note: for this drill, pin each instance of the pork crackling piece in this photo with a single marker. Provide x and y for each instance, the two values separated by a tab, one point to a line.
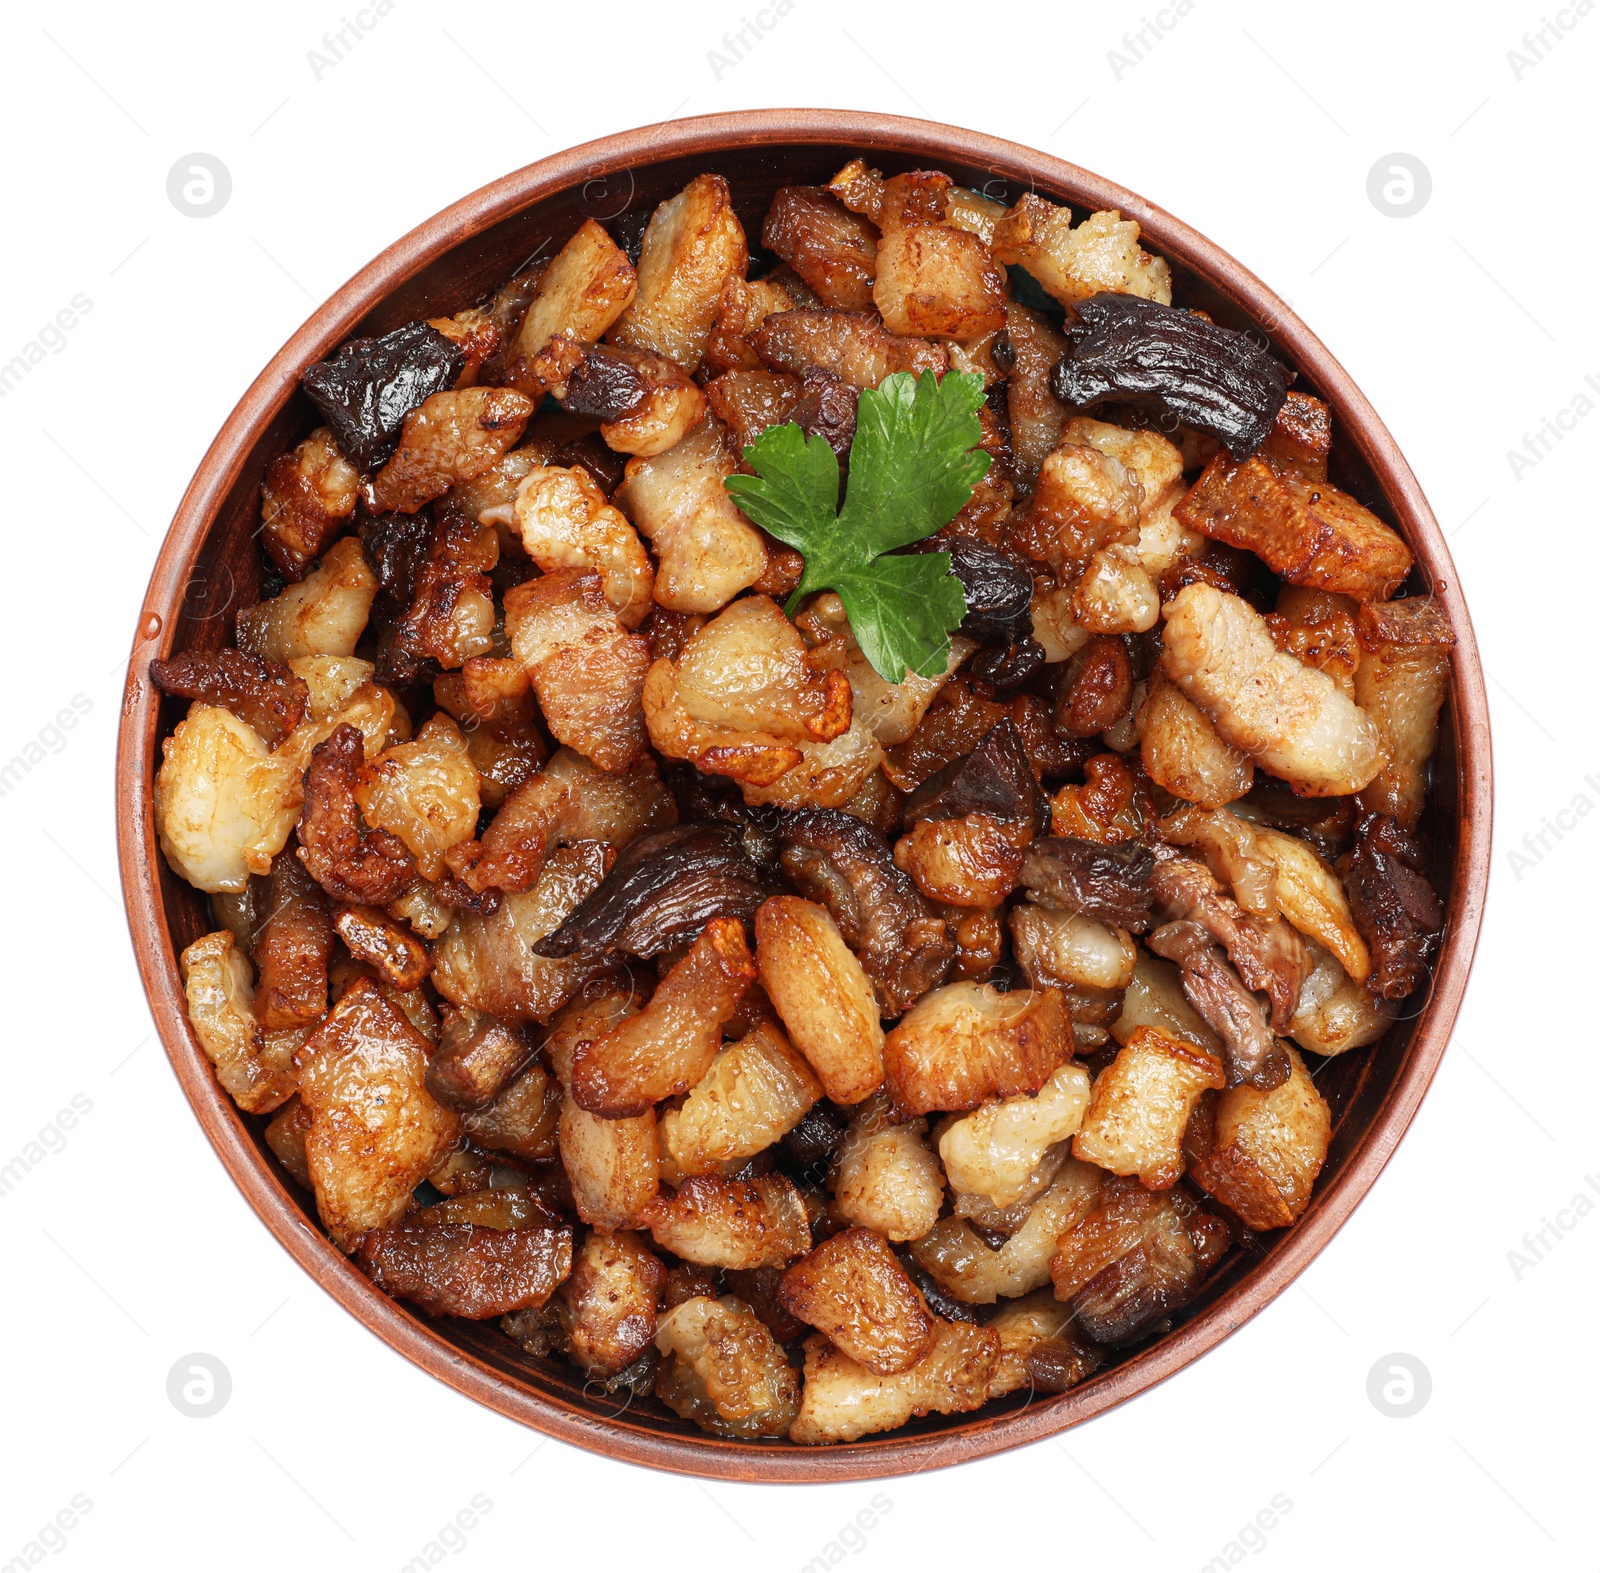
722	1369
670	1044
263	694
967	1043
899	937
350	861
375	1131
586	666
853	1288
569	801
732	1223
216	983
1289	717
460	1268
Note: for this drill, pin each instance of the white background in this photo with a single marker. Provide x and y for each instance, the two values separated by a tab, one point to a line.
1467	324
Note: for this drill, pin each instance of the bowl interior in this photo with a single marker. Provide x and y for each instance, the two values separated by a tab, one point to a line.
226	573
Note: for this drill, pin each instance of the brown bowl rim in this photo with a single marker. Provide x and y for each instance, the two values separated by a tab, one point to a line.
139	853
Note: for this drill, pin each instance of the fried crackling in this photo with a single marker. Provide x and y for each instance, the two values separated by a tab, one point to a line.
286	1135
476	1057
933	279
587	286
692	245
1287	716
216	983
1102	254
1036	415
322	615
292	945
1180	750
1141	1105
1058	949
884	1177
722	1369
1336	1012
707	550
1401	683
564	521
349	861
855	346
823	996
966	1043
1305	531
492	700
306	497
449	438
974	1273
1135	1256
521	1121
902	943
995	1151
1268	1149
833	250
842	1399
487	960
265	695
388	947
451	616
375	1129
570	800
608	1307
755	1092
1040	1347
1312	898
643	401
669	1045
732	1223
587	668
456	1268
853	1289
424	792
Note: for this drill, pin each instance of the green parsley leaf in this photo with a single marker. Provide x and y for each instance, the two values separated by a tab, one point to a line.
913	464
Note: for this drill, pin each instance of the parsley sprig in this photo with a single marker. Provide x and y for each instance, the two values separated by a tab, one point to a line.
913	464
